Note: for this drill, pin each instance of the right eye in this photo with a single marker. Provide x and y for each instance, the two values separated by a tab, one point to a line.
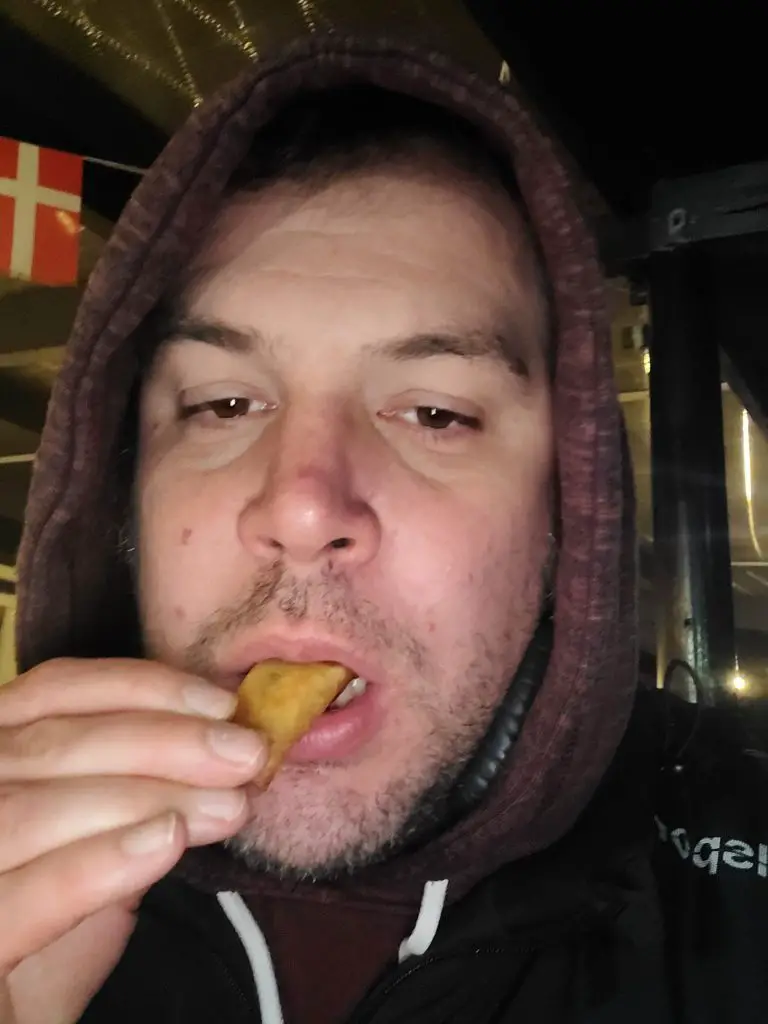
219	412
222	408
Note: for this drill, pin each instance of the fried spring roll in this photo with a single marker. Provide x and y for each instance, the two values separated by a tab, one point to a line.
282	699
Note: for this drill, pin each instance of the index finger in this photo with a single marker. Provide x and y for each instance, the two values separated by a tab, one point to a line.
72	686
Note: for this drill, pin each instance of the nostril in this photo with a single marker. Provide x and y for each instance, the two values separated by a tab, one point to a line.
341	542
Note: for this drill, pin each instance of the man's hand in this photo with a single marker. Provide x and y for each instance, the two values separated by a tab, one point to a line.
108	770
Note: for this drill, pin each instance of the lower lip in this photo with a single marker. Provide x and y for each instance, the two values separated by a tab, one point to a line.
339	735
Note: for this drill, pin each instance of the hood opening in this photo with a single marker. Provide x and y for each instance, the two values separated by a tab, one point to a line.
75	579
260	958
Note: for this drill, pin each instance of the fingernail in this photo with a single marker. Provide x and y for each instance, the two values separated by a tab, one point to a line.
222	804
208	700
235	744
151	837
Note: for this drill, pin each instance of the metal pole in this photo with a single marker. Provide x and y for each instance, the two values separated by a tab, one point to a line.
694	597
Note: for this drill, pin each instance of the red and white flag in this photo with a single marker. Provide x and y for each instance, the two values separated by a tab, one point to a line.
40	202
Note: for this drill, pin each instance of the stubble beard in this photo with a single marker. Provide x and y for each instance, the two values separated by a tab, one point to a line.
374	834
364	830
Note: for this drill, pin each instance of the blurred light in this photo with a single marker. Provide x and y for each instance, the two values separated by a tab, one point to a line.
746	451
738	682
646	361
67	222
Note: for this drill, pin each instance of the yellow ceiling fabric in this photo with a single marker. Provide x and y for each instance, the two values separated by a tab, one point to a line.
163	56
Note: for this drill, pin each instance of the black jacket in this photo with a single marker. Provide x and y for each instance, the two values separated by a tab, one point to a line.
653	910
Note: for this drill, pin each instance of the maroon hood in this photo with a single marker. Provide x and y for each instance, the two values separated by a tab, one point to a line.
74	591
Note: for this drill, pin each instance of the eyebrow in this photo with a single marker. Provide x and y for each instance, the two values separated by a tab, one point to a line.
211	332
508	349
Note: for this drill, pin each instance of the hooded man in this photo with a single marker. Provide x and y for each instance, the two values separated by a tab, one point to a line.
340	390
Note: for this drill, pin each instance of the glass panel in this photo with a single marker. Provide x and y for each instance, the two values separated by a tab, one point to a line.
746	454
747	475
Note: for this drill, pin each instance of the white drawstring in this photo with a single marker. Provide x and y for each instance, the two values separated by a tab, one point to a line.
257	951
427	923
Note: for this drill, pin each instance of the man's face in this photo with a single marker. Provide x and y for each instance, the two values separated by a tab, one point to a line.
338	462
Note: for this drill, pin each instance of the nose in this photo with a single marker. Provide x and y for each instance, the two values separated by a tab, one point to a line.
307	509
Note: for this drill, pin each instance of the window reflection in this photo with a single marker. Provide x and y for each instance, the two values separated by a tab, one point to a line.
746	451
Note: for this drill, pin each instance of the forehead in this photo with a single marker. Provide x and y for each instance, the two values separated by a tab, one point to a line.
371	226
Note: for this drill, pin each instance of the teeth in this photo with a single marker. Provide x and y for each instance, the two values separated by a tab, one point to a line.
355	688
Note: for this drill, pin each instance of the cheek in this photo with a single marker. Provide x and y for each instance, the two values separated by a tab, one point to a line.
467	569
187	547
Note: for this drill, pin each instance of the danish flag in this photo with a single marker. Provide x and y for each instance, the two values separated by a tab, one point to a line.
40	202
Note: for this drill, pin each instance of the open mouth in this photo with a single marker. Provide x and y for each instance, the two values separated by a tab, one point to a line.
284	700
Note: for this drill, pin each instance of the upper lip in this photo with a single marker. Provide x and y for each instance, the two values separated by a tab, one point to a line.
246	654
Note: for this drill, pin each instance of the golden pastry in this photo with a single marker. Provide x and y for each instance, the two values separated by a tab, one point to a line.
282	699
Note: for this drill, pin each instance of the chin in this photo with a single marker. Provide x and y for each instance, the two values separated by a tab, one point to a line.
320	822
317	821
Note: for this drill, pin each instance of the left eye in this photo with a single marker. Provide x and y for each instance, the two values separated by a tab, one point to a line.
224	408
434	418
